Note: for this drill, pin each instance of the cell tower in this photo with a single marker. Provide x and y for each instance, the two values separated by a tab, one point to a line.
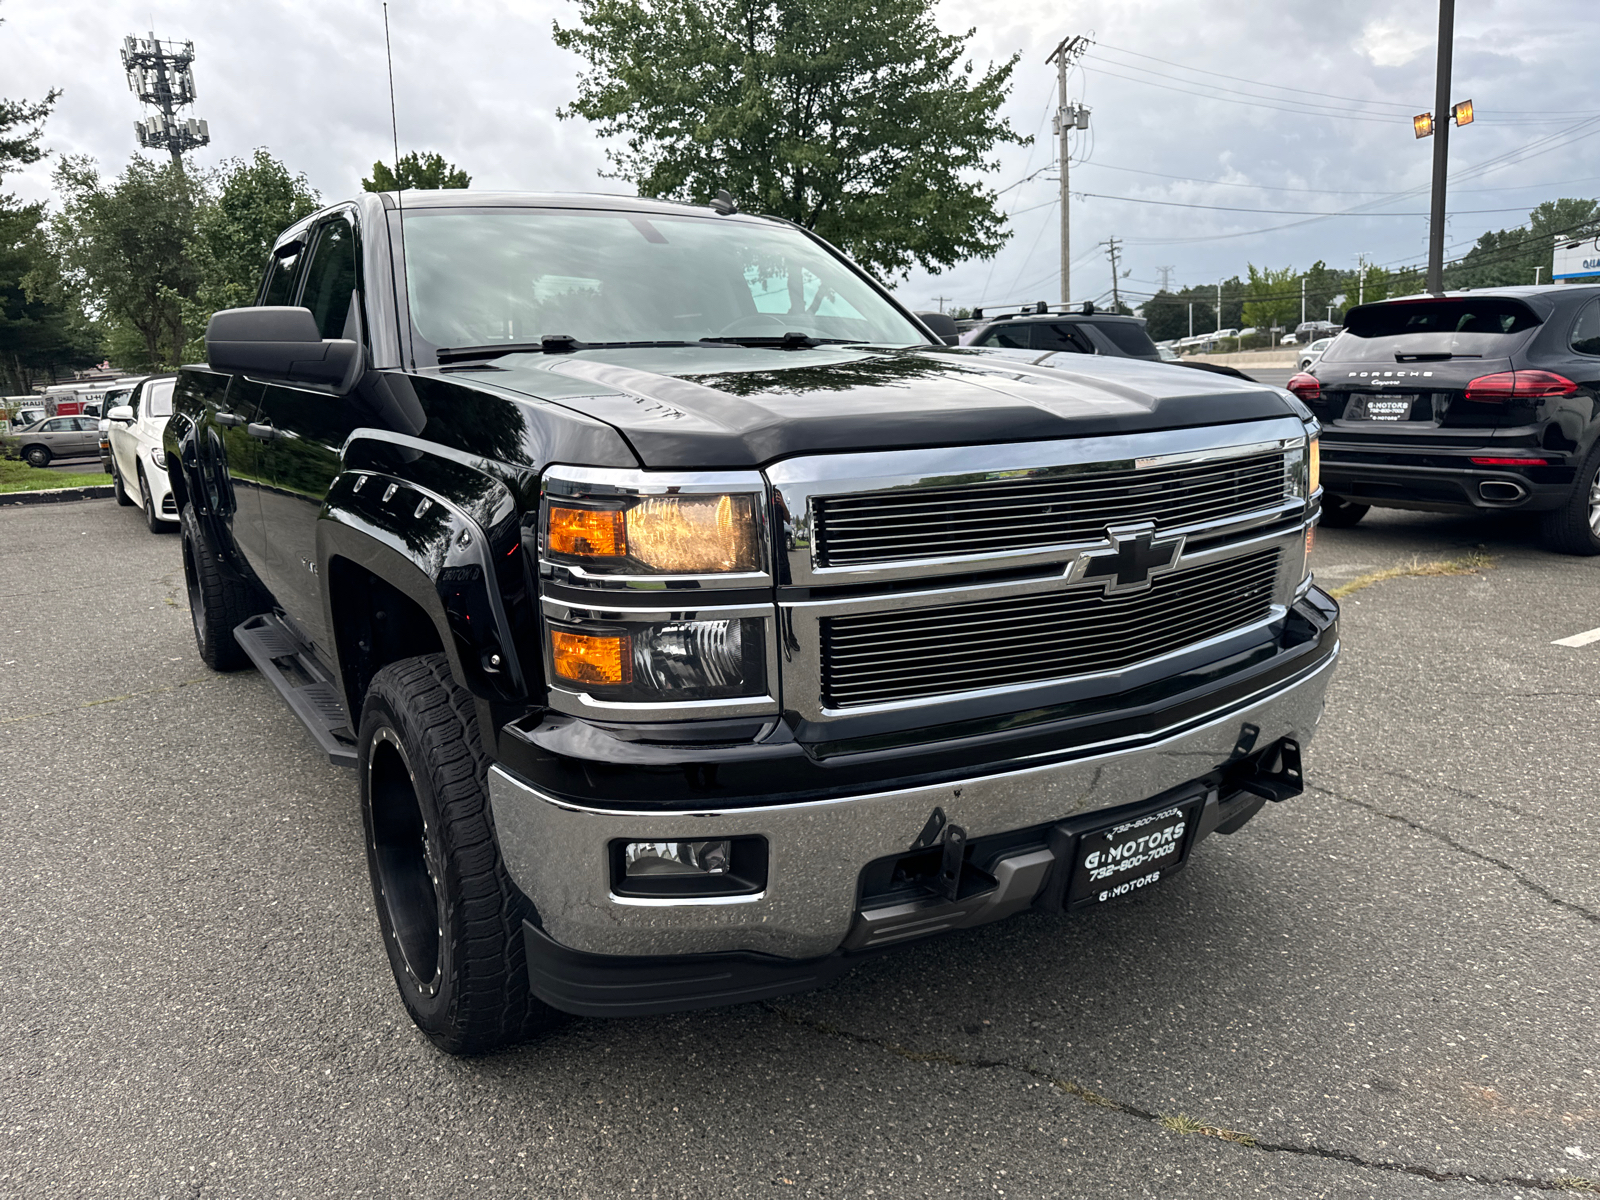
161	75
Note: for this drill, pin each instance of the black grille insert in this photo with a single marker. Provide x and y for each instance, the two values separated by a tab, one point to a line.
1021	514
905	654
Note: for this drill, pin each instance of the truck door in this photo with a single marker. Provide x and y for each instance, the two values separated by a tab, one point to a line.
301	432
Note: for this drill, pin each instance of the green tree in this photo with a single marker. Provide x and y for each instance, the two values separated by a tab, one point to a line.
1272	297
855	118
427	173
130	247
1506	257
256	200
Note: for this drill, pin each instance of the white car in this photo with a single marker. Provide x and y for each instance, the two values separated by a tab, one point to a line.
138	463
1314	352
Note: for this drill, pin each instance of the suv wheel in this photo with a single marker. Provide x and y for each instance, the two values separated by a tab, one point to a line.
1342	514
450	916
1574	528
218	599
37	456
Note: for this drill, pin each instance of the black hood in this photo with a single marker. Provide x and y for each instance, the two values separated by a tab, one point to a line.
735	407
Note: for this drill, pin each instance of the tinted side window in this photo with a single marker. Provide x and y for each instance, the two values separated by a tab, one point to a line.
1586	331
281	277
1012	337
331	278
59	425
1129	338
1060	337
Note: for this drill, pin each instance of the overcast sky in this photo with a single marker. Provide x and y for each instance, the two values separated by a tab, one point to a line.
1282	110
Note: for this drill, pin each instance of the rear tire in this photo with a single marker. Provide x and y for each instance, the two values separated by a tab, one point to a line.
218	599
1574	528
450	916
118	490
37	456
1342	514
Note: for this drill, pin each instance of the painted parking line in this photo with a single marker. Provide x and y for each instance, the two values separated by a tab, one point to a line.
1579	639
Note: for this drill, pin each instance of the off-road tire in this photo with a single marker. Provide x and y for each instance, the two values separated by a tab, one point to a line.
152	522
120	492
37	456
451	918
1342	514
1574	528
218	599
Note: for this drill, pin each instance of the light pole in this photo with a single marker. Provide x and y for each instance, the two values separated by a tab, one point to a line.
1436	124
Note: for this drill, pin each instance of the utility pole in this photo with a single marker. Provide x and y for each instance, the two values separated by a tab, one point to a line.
1068	118
1111	253
161	75
1302	299
1536	272
1219	308
940	300
1191	318
1441	146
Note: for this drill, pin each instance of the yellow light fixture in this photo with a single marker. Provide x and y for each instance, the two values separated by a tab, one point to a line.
1422	123
1315	481
1463	113
693	534
591	658
586	532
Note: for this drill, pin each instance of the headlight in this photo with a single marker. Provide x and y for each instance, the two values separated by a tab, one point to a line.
159	457
669	661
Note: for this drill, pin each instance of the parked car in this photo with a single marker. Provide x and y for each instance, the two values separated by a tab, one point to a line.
1040	329
1480	401
137	454
42	442
693	635
1314	352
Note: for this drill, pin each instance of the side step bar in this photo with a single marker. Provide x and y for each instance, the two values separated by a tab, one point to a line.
301	681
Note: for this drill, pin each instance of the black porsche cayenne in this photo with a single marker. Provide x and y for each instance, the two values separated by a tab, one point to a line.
1481	400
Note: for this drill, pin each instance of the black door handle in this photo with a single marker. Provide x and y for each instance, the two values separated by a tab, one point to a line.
231	420
265	432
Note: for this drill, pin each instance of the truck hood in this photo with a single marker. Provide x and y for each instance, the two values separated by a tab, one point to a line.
709	407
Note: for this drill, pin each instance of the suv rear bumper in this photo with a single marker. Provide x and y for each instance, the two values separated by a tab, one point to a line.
1432	479
559	851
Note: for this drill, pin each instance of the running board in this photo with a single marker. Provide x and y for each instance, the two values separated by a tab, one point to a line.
294	671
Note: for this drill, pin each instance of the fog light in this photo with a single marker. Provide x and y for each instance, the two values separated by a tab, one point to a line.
663	859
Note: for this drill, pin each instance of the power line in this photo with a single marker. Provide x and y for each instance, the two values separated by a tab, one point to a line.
1290	211
1272	187
1257	103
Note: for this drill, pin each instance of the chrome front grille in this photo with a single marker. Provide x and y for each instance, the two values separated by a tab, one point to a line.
910	653
1073	505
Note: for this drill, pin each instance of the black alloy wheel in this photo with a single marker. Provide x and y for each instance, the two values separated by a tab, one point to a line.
1574	528
37	456
1342	514
120	492
219	601
451	918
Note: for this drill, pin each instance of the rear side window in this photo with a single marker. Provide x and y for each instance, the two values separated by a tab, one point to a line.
281	277
1060	337
331	279
1586	332
1129	338
1012	337
1466	327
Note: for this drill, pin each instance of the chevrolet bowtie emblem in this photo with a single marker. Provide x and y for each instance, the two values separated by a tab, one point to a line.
1135	557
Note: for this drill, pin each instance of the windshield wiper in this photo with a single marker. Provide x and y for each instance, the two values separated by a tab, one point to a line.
559	343
787	341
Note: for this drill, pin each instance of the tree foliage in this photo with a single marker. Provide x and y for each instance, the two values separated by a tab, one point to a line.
255	200
426	172
855	118
1505	257
1272	297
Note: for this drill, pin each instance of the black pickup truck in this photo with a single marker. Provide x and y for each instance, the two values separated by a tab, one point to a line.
698	623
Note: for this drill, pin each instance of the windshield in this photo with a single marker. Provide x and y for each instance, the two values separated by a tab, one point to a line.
512	276
1475	327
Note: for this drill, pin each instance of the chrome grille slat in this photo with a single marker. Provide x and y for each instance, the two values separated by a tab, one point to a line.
894	526
870	658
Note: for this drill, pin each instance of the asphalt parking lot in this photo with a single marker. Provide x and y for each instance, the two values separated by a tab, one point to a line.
1384	988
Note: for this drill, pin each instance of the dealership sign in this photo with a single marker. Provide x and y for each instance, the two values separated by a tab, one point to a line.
1575	260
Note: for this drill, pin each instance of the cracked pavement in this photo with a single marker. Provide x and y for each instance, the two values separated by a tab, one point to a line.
1384	988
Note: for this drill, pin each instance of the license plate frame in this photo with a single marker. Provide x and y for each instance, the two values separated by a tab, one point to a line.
1393	407
1121	857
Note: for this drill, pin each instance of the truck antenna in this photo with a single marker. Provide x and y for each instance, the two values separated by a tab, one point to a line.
399	188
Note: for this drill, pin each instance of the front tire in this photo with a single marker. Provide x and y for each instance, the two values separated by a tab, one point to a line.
1574	528
1342	514
218	599
450	916
118	490
152	521
37	456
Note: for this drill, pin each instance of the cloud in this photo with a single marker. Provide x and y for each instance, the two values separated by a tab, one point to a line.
1393	42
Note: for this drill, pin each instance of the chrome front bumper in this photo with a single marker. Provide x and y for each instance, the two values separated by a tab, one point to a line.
557	852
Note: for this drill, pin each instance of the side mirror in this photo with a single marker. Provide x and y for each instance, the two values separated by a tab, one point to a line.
282	344
121	412
943	325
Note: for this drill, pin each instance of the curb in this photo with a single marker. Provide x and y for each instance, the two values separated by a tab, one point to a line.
59	495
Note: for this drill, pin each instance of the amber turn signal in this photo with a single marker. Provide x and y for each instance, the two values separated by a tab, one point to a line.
590	658
587	532
1315	481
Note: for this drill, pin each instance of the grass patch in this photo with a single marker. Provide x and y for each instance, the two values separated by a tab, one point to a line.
1576	1183
1467	564
1182	1124
18	476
